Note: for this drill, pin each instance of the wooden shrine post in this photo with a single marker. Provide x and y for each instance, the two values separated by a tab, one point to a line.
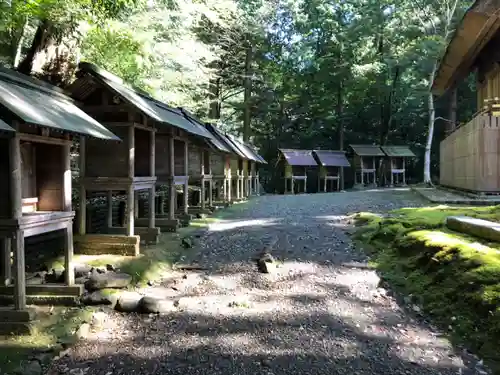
152	171
68	243
131	173
82	226
172	191
202	184
186	183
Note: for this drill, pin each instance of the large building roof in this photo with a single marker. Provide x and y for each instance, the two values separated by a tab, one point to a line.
479	24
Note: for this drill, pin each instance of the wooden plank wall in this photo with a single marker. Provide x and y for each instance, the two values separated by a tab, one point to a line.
108	158
179	158
162	159
142	153
469	157
28	170
218	160
194	165
4	178
50	174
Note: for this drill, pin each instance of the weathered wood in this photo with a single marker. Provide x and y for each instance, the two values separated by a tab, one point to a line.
68	256
15	177
46	290
172	191
152	191
131	173
83	193
186	184
44	139
210	193
5	261
20	272
109	210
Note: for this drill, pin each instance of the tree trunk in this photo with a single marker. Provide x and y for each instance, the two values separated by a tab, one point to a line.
430	134
43	38
19	45
247	84
215	100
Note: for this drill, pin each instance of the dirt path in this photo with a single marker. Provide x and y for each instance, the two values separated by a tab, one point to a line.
322	313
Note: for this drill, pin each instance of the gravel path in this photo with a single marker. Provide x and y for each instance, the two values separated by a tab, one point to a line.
322	313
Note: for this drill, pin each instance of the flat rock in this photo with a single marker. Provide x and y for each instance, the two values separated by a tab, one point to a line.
101	297
128	302
154	305
108	280
82	270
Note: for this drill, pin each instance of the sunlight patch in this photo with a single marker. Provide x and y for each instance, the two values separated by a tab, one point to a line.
218	227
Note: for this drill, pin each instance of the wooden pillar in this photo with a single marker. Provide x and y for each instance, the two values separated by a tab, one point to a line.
186	173
172	192
404	171
109	214
202	174
68	248
293	183
305	180
392	174
362	171
83	193
16	214
131	173
210	193
5	262
152	191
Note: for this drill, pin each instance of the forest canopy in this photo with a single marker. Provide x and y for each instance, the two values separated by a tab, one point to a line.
282	73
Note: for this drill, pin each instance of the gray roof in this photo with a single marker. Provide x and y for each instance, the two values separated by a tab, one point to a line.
367	150
212	141
329	158
224	139
151	107
40	105
398	151
246	150
4	127
302	158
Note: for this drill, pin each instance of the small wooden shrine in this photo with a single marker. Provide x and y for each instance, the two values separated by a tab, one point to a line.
222	165
140	120
395	164
294	165
330	162
365	161
39	124
470	153
207	156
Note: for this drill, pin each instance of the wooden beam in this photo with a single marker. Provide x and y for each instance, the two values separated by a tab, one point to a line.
202	172
83	193
15	177
172	191
66	193
41	139
109	213
5	262
131	173
68	256
20	272
186	172
151	196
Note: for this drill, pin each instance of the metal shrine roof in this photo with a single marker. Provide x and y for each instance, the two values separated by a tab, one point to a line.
367	150
45	105
150	106
299	157
398	151
331	158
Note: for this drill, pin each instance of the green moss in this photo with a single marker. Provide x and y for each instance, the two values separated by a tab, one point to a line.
454	277
52	325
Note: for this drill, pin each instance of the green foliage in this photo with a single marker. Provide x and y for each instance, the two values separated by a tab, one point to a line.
453	277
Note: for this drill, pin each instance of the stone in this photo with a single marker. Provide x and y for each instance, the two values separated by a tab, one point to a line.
108	280
81	280
187	242
110	267
55	276
35	280
82	270
266	263
98	270
83	331
101	297
153	305
128	302
98	318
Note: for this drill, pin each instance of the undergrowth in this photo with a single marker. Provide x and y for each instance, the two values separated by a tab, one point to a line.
454	278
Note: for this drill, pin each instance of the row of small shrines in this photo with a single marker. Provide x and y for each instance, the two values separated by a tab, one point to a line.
128	143
364	159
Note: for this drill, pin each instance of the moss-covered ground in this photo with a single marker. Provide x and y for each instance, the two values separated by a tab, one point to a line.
57	324
453	277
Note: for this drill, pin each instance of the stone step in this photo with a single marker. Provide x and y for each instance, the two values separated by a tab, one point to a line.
488	230
107	238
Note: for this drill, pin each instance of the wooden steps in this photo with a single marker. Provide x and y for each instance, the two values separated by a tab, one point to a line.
111	244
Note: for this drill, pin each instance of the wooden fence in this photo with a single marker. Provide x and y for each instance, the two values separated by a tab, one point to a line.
469	157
